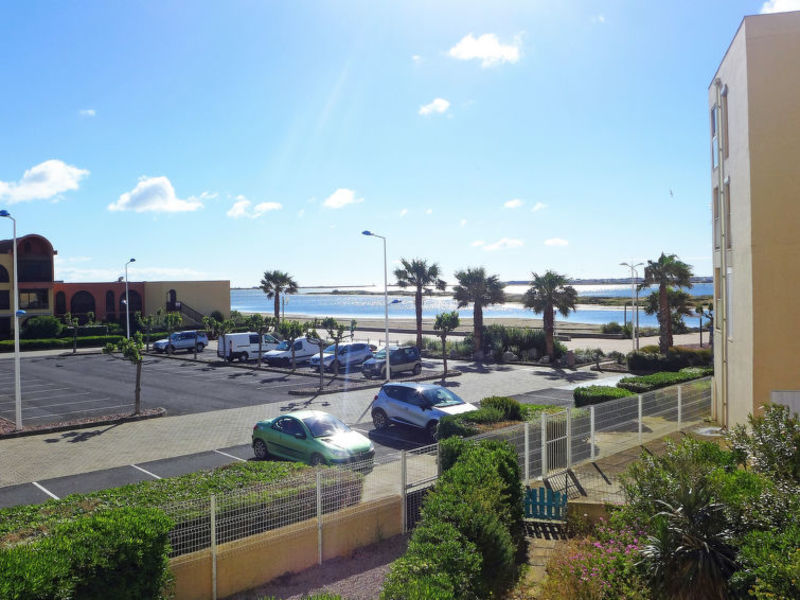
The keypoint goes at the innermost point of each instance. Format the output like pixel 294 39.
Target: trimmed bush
pixel 59 343
pixel 647 383
pixel 595 394
pixel 450 450
pixel 120 553
pixel 511 409
pixel 612 327
pixel 674 360
pixel 41 327
pixel 466 424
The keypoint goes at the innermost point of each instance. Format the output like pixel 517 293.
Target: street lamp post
pixel 385 301
pixel 127 302
pixel 635 298
pixel 17 314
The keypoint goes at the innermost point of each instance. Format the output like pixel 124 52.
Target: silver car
pixel 419 405
pixel 350 356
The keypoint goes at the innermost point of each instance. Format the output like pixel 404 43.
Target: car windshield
pixel 284 345
pixel 441 397
pixel 330 349
pixel 325 425
pixel 380 354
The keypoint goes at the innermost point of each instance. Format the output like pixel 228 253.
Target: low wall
pixel 258 559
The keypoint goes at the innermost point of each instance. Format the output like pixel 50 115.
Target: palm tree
pixel 446 323
pixel 679 307
pixel 665 272
pixel 550 293
pixel 482 290
pixel 421 276
pixel 275 283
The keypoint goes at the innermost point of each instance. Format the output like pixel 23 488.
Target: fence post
pixel 403 492
pixel 527 452
pixel 640 419
pixel 319 516
pixel 213 509
pixel 680 406
pixel 544 444
pixel 591 432
pixel 569 438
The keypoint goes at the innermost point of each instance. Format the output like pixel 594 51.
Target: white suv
pixel 419 405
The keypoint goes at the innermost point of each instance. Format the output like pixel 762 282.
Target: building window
pixel 35 269
pixel 725 125
pixel 33 299
pixel 727 202
pixel 715 211
pixel 729 303
pixel 717 299
pixel 3 274
pixel 110 303
pixel 714 137
pixel 5 300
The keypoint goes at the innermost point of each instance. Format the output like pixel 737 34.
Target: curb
pixel 160 412
pixel 365 386
pixel 235 365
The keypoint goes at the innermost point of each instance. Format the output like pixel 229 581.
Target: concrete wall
pixel 203 296
pixel 258 559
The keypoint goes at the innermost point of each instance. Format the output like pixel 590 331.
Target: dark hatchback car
pixel 401 360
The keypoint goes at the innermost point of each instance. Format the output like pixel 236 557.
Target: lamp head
pixel 363 232
pixel 4 213
pixel 132 260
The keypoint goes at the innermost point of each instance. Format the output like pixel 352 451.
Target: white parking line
pixel 146 472
pixel 45 490
pixel 229 455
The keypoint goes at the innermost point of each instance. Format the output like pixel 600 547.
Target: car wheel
pixel 170 349
pixel 200 347
pixel 243 357
pixel 316 459
pixel 417 369
pixel 335 366
pixel 379 419
pixel 432 429
pixel 260 450
pixel 286 363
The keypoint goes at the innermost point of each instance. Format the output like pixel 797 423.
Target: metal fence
pixel 547 448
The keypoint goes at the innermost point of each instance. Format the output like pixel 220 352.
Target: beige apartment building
pixel 754 103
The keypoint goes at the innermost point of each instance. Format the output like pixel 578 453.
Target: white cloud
pixel 486 48
pixel 70 273
pixel 42 182
pixel 515 203
pixel 87 112
pixel 155 194
pixel 556 242
pixel 241 208
pixel 417 58
pixel 503 244
pixel 477 243
pixel 538 206
pixel 301 212
pixel 599 19
pixel 439 106
pixel 341 198
pixel 462 222
pixel 776 6
pixel 429 211
pixel 404 212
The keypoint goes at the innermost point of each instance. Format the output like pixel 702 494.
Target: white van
pixel 282 355
pixel 244 346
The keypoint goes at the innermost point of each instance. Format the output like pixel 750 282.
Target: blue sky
pixel 217 140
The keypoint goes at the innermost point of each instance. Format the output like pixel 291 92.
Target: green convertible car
pixel 313 437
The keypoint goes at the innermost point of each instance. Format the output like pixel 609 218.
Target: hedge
pixel 647 383
pixel 595 394
pixel 470 536
pixel 674 360
pixel 60 343
pixel 119 553
pixel 298 482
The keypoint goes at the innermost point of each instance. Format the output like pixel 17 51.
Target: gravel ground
pixel 357 577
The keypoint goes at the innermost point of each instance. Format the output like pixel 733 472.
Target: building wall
pixel 203 296
pixel 773 52
pixel 763 127
pixel 99 290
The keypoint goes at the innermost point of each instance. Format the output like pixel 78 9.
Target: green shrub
pixel 511 409
pixel 612 327
pixel 450 450
pixel 59 343
pixel 770 564
pixel 647 383
pixel 465 424
pixel 595 394
pixel 41 327
pixel 674 360
pixel 120 553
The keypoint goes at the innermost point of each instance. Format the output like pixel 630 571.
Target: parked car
pixel 281 356
pixel 244 345
pixel 181 340
pixel 400 360
pixel 419 405
pixel 311 436
pixel 350 355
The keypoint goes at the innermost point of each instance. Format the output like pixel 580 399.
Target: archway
pixel 110 305
pixel 61 303
pixel 82 302
pixel 172 298
pixel 136 302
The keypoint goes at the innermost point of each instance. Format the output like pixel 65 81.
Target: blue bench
pixel 544 504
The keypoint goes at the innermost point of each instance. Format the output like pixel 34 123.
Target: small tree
pixel 336 333
pixel 131 349
pixel 291 331
pixel 706 312
pixel 145 323
pixel 90 318
pixel 71 321
pixel 172 320
pixel 315 338
pixel 446 323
